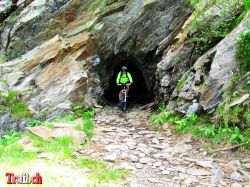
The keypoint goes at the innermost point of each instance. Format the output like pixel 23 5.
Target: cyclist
pixel 124 77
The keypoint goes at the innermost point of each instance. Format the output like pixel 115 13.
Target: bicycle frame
pixel 124 97
pixel 124 92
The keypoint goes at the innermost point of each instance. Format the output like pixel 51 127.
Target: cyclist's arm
pixel 130 78
pixel 118 78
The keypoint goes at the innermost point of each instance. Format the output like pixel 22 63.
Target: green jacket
pixel 124 78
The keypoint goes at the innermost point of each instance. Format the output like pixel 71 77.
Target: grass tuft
pixel 101 171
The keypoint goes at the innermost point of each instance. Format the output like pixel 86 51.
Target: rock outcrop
pixel 59 46
pixel 57 72
pixel 203 84
pixel 8 123
pixel 62 52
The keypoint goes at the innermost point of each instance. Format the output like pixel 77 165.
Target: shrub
pixel 202 127
pixel 243 50
pixel 214 19
pixel 11 102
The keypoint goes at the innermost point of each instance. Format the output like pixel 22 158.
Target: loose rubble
pixel 159 158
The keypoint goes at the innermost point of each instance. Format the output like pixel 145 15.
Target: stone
pixel 146 160
pixel 138 166
pixel 193 108
pixel 153 180
pixel 198 172
pixel 236 176
pixel 155 141
pixel 220 78
pixel 5 8
pixel 246 175
pixel 46 155
pixel 167 156
pixel 157 164
pixel 234 163
pixel 41 131
pixel 240 100
pixel 144 150
pixel 141 155
pixel 111 157
pixel 7 123
pixel 45 133
pixel 134 158
pixel 41 61
pixel 236 185
pixel 165 172
pixel 126 166
pixel 205 163
pixel 181 148
pixel 246 165
pixel 218 176
pixel 158 155
pixel 113 147
pixel 142 145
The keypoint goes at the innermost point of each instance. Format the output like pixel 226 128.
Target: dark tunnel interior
pixel 138 93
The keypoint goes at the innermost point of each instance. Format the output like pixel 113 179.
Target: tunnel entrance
pixel 138 93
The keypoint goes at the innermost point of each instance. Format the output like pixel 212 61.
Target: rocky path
pixel 161 159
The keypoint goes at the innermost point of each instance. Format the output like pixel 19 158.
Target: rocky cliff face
pixel 52 48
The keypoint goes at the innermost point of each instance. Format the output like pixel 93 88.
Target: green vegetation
pixel 62 147
pixel 12 53
pixel 235 115
pixel 88 127
pixel 182 81
pixel 9 137
pixel 15 155
pixel 214 19
pixel 243 50
pixel 48 124
pixel 100 170
pixel 80 111
pixel 67 117
pixel 87 114
pixel 88 124
pixel 11 102
pixel 34 123
pixel 95 5
pixel 3 59
pixel 224 128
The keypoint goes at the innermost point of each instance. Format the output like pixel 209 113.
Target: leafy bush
pixel 18 108
pixel 214 19
pixel 234 116
pixel 34 123
pixel 243 50
pixel 181 123
pixel 219 132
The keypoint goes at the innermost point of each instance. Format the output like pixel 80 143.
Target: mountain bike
pixel 123 102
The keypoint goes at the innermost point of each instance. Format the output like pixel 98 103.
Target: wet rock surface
pixel 159 158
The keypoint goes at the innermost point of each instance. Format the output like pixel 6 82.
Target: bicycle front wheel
pixel 124 106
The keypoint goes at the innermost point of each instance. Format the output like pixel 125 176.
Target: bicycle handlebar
pixel 124 84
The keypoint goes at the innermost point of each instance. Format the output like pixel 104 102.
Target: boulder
pixel 8 123
pixel 5 8
pixel 205 81
pixel 56 72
